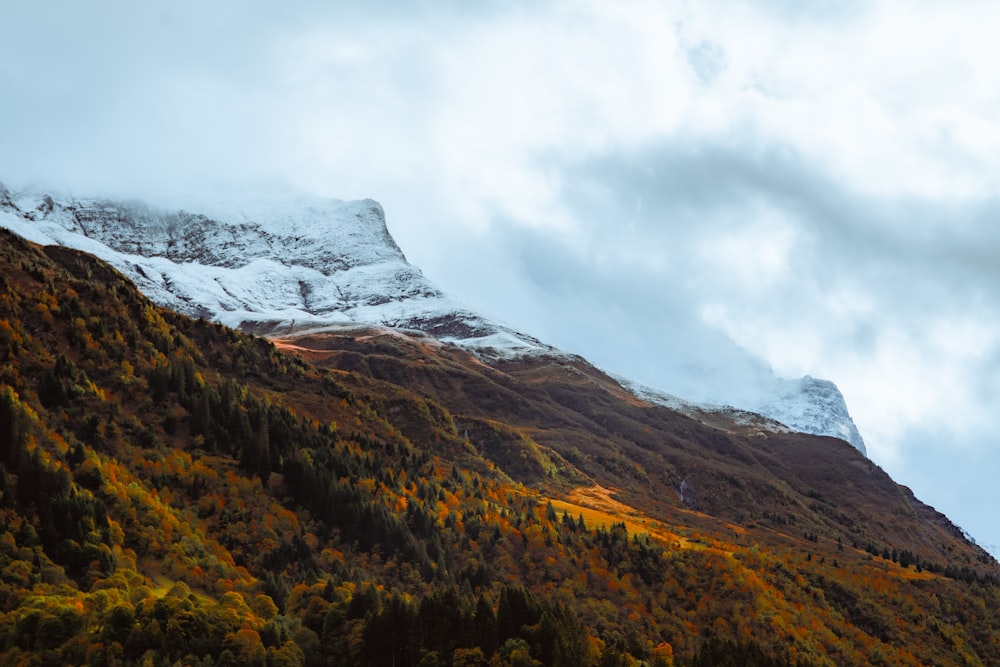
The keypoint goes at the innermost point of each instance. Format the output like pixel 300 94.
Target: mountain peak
pixel 268 264
pixel 813 405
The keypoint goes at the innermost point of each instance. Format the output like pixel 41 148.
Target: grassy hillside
pixel 171 490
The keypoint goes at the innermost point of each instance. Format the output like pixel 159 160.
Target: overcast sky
pixel 683 192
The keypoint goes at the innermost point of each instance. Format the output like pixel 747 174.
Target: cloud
pixel 799 267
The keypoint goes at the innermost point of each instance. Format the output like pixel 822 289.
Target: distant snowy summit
pixel 290 264
pixel 812 405
pixel 806 405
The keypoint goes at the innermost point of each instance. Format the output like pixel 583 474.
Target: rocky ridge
pixel 300 264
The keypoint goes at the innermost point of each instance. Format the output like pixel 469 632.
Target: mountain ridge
pixel 278 266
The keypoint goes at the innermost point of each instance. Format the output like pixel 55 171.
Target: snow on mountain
pixel 298 263
pixel 741 417
pixel 270 266
pixel 812 406
pixel 806 405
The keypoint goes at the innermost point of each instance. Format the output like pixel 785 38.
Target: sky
pixel 689 193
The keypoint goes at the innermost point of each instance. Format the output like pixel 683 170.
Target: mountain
pixel 172 490
pixel 269 266
pixel 278 266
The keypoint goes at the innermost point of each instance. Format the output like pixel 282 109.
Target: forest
pixel 176 492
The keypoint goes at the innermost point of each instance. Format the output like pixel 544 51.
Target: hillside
pixel 172 489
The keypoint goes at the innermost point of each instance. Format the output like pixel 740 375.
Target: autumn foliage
pixel 172 490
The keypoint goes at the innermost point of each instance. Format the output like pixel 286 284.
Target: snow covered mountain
pixel 280 266
pixel 268 266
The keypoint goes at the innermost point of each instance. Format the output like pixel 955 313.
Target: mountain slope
pixel 171 490
pixel 276 266
pixel 568 424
